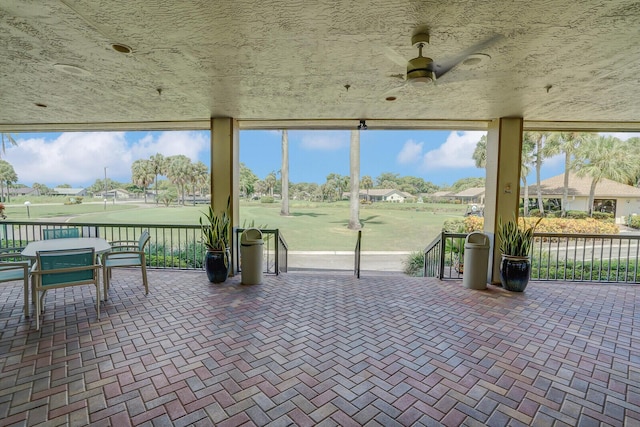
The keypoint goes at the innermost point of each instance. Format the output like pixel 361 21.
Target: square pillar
pixel 225 172
pixel 502 196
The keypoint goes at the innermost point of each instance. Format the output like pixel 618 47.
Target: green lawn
pixel 311 226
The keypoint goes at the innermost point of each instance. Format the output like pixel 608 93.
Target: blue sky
pixel 79 158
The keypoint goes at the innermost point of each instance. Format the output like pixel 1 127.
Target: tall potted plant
pixel 216 235
pixel 515 246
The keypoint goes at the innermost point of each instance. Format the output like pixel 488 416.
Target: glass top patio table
pixel 99 244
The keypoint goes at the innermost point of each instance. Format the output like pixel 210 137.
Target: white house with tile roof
pixel 610 196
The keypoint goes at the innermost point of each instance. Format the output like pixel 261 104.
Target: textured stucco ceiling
pixel 291 60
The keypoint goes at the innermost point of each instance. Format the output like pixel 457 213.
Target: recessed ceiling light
pixel 475 59
pixel 71 69
pixel 122 48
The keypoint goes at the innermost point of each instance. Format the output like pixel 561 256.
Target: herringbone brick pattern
pixel 306 350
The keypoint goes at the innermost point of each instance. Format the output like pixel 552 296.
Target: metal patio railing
pixel 171 246
pixel 607 258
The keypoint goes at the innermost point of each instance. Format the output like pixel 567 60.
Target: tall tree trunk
pixel 156 187
pixel 592 193
pixel 354 163
pixel 525 203
pixel 284 174
pixel 538 186
pixel 565 190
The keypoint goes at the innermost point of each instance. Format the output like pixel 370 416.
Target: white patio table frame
pixel 99 244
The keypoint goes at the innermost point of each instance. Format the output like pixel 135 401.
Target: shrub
pixel 456 225
pixel 577 214
pixel 602 216
pixel 634 221
pixel 267 199
pixel 414 264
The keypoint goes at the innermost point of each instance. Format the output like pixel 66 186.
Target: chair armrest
pixel 120 247
pixel 124 243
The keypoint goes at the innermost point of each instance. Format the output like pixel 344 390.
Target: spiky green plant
pixel 516 240
pixel 216 229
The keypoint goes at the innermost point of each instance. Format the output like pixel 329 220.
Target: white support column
pixel 504 148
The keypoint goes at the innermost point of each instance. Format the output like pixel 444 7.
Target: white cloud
pixel 79 158
pixel 324 141
pixel 456 152
pixel 410 153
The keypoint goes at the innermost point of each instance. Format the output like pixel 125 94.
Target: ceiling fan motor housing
pixel 418 70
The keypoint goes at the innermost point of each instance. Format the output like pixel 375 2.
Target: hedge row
pixel 555 225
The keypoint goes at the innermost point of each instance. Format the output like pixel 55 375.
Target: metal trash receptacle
pixel 476 261
pixel 251 247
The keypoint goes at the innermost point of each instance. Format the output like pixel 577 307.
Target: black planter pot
pixel 515 272
pixel 216 264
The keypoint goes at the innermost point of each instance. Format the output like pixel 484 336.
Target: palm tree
pixel 142 174
pixel 7 176
pixel 527 159
pixel 199 177
pixel 601 157
pixel 158 166
pixel 284 174
pixel 538 139
pixel 367 183
pixel 480 158
pixel 567 143
pixel 7 139
pixel 179 172
pixel 354 163
pixel 480 152
pixel 270 180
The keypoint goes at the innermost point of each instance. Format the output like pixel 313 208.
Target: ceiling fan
pixel 423 70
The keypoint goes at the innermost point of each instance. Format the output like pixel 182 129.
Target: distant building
pixel 20 191
pixel 610 196
pixel 64 191
pixel 385 195
pixel 471 195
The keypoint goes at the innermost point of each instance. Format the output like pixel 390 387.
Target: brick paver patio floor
pixel 317 349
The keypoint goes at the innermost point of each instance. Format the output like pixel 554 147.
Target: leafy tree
pixel 247 180
pixel 41 189
pixel 142 174
pixel 7 176
pixel 480 153
pixel 341 183
pixel 601 157
pixel 465 183
pixel 388 180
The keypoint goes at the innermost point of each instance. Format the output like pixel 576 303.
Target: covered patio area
pixel 320 349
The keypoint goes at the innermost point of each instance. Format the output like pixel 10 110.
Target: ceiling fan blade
pixel 442 67
pixel 395 56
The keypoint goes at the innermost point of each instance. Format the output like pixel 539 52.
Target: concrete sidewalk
pixel 345 260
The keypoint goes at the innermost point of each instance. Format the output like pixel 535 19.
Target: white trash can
pixel 476 261
pixel 251 247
